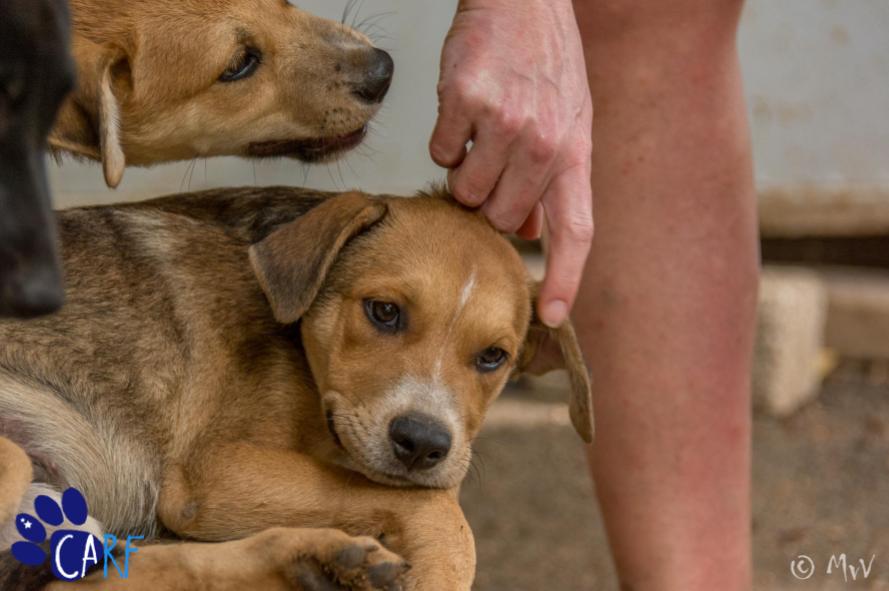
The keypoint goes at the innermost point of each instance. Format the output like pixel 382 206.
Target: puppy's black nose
pixel 419 441
pixel 377 78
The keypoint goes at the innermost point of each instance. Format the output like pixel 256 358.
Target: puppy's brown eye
pixel 243 66
pixel 490 359
pixel 386 316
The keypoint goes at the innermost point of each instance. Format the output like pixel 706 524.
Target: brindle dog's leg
pixel 278 559
pixel 237 490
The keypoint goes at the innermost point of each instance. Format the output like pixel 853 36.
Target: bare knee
pixel 652 22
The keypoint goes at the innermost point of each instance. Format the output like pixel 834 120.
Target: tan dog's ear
pixel 292 262
pixel 101 70
pixel 547 349
pixel 113 159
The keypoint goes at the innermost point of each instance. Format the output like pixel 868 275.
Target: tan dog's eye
pixel 490 359
pixel 243 66
pixel 386 316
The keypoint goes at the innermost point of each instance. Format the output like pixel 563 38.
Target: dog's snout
pixel 419 441
pixel 377 78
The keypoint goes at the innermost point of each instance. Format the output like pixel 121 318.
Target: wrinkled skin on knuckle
pixel 578 229
pixel 543 147
pixel 461 87
pixel 509 121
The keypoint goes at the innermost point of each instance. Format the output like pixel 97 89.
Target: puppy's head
pixel 414 313
pixel 174 80
pixel 36 73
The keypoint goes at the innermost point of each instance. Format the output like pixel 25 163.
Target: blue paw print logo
pixel 72 552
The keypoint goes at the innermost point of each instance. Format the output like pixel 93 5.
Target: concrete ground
pixel 820 479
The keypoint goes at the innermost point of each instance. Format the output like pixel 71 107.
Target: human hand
pixel 513 82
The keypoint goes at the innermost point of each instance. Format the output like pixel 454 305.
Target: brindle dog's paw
pixel 339 562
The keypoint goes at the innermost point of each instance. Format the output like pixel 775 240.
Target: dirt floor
pixel 820 480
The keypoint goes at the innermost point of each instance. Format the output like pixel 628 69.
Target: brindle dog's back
pixel 93 393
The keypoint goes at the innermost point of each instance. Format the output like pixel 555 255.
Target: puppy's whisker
pixel 347 10
pixel 373 20
pixel 192 166
pixel 359 6
pixel 330 175
pixel 348 163
pixel 183 183
pixel 367 151
pixel 378 41
pixel 377 34
pixel 339 170
pixel 475 470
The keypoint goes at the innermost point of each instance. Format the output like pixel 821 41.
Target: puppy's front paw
pixel 331 560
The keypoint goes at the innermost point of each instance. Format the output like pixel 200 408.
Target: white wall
pixel 817 79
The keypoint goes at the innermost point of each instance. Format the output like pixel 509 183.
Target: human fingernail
pixel 554 313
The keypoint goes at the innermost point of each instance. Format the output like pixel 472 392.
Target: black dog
pixel 36 73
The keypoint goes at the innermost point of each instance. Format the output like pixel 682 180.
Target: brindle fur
pixel 138 276
pixel 170 394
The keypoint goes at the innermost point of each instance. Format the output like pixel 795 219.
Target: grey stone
pixel 790 337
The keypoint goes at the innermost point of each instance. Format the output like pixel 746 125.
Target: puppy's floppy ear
pixel 113 159
pixel 292 262
pixel 89 122
pixel 547 349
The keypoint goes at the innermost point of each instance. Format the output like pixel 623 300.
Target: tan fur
pixel 15 477
pixel 171 352
pixel 148 87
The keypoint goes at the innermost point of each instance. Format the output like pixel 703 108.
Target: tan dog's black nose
pixel 419 441
pixel 377 78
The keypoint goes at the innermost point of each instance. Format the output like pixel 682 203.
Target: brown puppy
pixel 235 360
pixel 163 80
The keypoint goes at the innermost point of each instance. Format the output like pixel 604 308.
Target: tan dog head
pixel 166 80
pixel 414 314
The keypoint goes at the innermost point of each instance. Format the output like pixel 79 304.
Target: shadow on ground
pixel 821 480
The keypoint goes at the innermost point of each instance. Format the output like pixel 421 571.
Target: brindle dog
pixel 237 360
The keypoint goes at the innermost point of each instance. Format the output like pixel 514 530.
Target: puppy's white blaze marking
pixel 465 294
